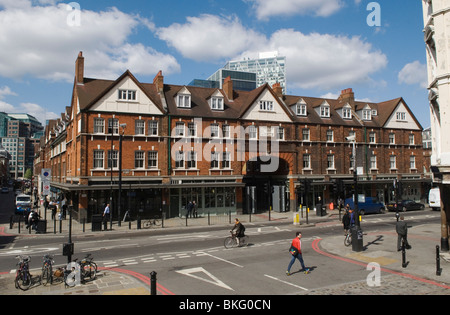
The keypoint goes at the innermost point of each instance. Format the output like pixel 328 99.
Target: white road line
pixel 285 282
pixel 224 260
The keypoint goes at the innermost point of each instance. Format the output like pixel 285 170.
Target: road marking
pixel 215 280
pixel 285 282
pixel 224 260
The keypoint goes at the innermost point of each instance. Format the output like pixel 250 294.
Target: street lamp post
pixel 357 234
pixel 123 126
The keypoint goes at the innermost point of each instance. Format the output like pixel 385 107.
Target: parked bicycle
pixel 155 221
pixel 23 280
pixel 47 270
pixel 234 241
pixel 348 238
pixel 78 272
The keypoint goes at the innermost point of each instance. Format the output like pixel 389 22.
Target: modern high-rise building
pixel 18 135
pixel 269 68
pixel 436 15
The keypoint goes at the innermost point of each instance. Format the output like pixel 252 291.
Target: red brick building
pixel 226 149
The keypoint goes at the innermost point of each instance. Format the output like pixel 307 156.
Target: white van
pixel 434 199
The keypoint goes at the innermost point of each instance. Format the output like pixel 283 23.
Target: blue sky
pixel 328 44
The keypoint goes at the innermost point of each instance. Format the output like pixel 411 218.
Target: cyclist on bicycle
pixel 240 229
pixel 347 219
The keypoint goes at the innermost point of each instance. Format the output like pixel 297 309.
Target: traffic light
pixel 335 187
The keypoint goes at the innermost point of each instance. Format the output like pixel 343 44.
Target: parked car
pixel 434 199
pixel 370 205
pixel 405 205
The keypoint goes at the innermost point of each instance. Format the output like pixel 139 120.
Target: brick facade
pixel 225 137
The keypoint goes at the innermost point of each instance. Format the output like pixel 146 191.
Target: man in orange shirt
pixel 296 252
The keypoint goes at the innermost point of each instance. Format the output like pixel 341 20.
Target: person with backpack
pixel 296 252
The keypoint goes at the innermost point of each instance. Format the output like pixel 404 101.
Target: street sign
pixel 46 173
pixel 46 189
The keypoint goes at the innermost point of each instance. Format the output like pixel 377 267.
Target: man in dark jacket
pixel 402 232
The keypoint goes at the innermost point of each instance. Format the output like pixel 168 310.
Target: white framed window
pixel 305 134
pixel 113 126
pixel 99 159
pixel 347 113
pixel 373 162
pixel 99 125
pixel 412 162
pixel 184 101
pixel 113 159
pixel 307 161
pixel 411 139
pixel 392 138
pixel 372 137
pixel 217 103
pixel 179 160
pixel 252 132
pixel 393 162
pixel 325 111
pixel 192 130
pixel 301 110
pixel 139 127
pixel 153 159
pixel 214 130
pixel 152 128
pixel 280 133
pixel 401 116
pixel 214 160
pixel 367 114
pixel 139 158
pixel 192 160
pixel 330 135
pixel 226 131
pixel 330 161
pixel 127 95
pixel 226 160
pixel 266 106
pixel 179 129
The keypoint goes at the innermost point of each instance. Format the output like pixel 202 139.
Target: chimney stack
pixel 159 82
pixel 278 89
pixel 347 96
pixel 228 88
pixel 79 69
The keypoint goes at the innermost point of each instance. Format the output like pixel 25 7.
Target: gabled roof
pixel 92 90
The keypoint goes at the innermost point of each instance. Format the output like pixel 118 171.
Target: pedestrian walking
pixel 402 232
pixel 296 252
pixel 194 209
pixel 189 208
pixel 106 216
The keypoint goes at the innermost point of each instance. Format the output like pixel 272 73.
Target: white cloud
pixel 319 61
pixel 414 73
pixel 5 91
pixel 265 9
pixel 209 37
pixel 39 112
pixel 42 44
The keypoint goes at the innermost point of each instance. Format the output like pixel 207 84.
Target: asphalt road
pixel 194 261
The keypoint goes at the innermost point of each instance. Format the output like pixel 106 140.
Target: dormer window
pixel 325 110
pixel 347 112
pixel 184 101
pixel 184 98
pixel 301 109
pixel 216 103
pixel 127 95
pixel 367 114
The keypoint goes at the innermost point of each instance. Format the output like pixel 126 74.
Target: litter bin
pixel 321 211
pixel 41 227
pixel 97 223
pixel 357 239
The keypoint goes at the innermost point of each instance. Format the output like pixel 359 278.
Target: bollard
pixel 438 262
pixel 153 283
pixel 404 264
